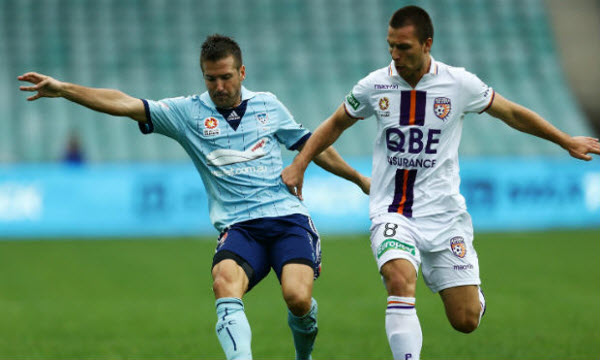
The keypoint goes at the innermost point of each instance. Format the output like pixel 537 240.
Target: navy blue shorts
pixel 261 244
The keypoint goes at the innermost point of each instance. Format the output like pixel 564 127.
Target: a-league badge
pixel 457 244
pixel 384 103
pixel 442 107
pixel 210 126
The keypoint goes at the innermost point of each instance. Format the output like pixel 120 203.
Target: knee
pixel 298 301
pixel 465 322
pixel 221 285
pixel 400 278
pixel 229 280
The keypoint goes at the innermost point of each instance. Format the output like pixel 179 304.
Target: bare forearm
pixel 325 135
pixel 331 161
pixel 530 122
pixel 109 101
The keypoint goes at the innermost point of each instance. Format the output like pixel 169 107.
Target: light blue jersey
pixel 240 160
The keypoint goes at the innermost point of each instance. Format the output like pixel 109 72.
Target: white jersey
pixel 415 157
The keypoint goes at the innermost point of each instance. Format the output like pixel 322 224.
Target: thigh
pixel 393 239
pixel 229 279
pixel 461 303
pixel 454 262
pixel 296 286
pixel 297 242
pixel 238 245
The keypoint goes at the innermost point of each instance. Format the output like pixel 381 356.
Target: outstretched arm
pixel 325 135
pixel 109 101
pixel 525 120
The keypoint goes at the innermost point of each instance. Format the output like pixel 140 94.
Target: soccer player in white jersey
pixel 418 216
pixel 233 136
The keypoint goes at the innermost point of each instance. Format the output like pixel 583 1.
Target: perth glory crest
pixel 442 107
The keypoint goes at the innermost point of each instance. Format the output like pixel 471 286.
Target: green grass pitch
pixel 152 299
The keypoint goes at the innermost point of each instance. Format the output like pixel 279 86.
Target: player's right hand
pixel 43 84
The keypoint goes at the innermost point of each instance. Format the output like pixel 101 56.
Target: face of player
pixel 224 81
pixel 410 56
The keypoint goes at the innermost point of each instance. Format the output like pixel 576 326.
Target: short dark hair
pixel 217 47
pixel 414 15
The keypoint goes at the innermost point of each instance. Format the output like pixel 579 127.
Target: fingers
pixel 299 192
pixel 296 191
pixel 34 97
pixel 31 77
pixel 28 88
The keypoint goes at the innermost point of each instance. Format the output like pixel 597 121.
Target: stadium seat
pixel 309 53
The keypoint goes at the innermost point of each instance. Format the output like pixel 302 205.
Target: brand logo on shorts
pixel 392 244
pixel 457 244
pixel 463 267
pixel 442 107
pixel 221 240
pixel 352 101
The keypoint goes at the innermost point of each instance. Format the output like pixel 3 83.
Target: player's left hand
pixel 365 184
pixel 581 146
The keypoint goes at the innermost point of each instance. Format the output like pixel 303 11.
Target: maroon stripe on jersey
pixel 420 107
pixel 403 192
pixel 412 107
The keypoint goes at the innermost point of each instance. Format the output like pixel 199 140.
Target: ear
pixel 428 44
pixel 243 72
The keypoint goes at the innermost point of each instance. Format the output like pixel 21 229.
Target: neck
pixel 418 75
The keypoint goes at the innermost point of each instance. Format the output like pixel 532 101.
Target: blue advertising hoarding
pixel 54 200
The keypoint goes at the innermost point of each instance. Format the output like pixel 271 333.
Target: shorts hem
pixel 403 256
pixel 439 288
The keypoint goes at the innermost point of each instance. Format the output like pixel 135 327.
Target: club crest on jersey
pixel 210 126
pixel 457 244
pixel 442 107
pixel 384 103
pixel 262 118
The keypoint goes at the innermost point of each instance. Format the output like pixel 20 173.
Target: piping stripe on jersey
pixel 490 103
pixel 403 192
pixel 412 107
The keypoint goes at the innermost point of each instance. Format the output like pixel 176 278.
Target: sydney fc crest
pixel 262 118
pixel 442 107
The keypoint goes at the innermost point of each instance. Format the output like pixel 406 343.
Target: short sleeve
pixel 357 103
pixel 477 95
pixel 289 132
pixel 165 116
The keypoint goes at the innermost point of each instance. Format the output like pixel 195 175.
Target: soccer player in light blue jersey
pixel 232 135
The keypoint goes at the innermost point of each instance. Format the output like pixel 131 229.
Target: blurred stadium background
pixel 542 54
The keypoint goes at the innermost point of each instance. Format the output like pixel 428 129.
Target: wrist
pixel 301 161
pixel 62 89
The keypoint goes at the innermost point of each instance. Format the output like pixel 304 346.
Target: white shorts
pixel 442 245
